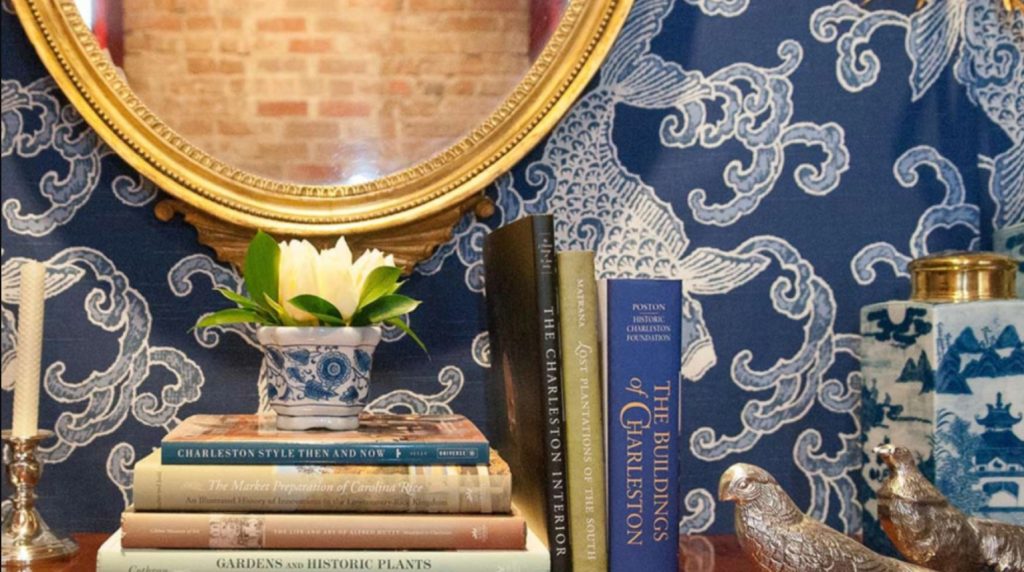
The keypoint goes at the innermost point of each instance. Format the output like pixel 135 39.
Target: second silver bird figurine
pixel 778 537
pixel 928 530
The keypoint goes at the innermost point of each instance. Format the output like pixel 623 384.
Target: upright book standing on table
pixel 582 396
pixel 642 322
pixel 525 392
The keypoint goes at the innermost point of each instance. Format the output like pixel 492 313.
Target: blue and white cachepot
pixel 946 380
pixel 317 378
pixel 1010 241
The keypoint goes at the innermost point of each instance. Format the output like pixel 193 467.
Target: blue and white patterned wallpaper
pixel 786 164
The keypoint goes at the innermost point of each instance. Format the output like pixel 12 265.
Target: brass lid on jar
pixel 963 277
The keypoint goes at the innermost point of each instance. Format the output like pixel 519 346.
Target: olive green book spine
pixel 584 425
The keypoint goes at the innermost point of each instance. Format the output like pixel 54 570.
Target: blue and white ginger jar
pixel 943 375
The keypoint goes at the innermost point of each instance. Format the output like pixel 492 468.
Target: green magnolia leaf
pixel 398 323
pixel 396 287
pixel 383 309
pixel 279 310
pixel 242 301
pixel 318 307
pixel 329 320
pixel 231 316
pixel 261 268
pixel 379 283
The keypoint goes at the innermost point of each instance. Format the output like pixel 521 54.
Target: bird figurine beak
pixel 723 488
pixel 730 476
pixel 885 452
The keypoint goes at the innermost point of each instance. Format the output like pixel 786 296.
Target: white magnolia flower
pixel 297 275
pixel 331 275
pixel 335 279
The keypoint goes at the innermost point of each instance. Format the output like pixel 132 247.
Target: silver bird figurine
pixel 928 530
pixel 778 537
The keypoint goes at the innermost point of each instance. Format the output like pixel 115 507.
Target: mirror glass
pixel 324 92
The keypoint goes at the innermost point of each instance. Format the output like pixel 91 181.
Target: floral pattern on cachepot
pixel 318 377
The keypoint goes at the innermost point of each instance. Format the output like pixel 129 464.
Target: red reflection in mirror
pixel 544 17
pixel 106 18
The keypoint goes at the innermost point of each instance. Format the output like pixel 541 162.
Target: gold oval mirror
pixel 382 120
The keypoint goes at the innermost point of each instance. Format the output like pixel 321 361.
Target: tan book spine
pixel 322 531
pixel 268 488
pixel 584 424
pixel 112 558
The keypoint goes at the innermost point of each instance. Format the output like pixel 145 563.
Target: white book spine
pixel 112 558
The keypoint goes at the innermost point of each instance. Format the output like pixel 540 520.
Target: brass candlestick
pixel 26 537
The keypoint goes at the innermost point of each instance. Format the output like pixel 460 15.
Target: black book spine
pixel 547 302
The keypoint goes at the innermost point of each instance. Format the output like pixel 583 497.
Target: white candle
pixel 30 349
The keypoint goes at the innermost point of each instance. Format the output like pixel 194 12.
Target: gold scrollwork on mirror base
pixel 410 243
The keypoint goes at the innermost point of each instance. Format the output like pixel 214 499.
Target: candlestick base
pixel 26 536
pixel 46 545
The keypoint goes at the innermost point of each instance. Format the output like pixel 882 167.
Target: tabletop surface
pixel 696 554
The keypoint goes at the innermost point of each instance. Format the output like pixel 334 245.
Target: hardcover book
pixel 298 531
pixel 643 321
pixel 112 557
pixel 582 394
pixel 479 489
pixel 525 392
pixel 380 440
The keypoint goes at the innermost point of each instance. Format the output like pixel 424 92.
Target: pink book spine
pixel 322 531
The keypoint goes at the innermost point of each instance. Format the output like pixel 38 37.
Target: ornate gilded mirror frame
pixel 408 213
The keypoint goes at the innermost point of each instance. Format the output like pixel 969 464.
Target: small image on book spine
pixel 643 348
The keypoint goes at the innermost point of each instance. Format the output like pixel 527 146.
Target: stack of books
pixel 402 493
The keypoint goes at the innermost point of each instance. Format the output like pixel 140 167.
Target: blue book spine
pixel 199 453
pixel 643 322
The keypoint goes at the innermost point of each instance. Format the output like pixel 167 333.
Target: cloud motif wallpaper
pixel 785 164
